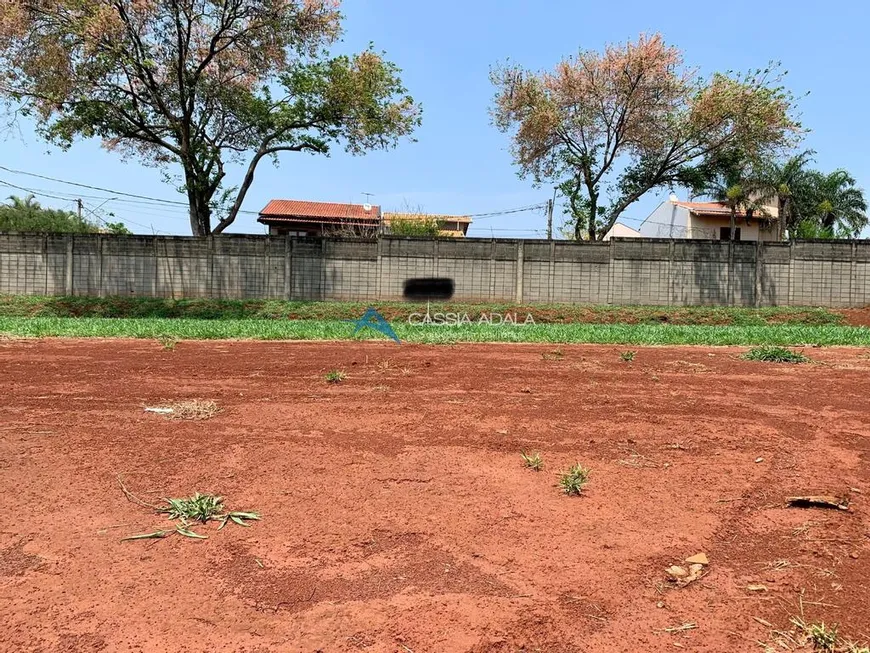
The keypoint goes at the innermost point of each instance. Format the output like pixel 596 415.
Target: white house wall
pixel 667 221
pixel 707 228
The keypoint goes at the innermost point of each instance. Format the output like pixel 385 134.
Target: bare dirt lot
pixel 397 515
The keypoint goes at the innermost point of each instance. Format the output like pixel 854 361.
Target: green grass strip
pixel 253 329
pixel 228 309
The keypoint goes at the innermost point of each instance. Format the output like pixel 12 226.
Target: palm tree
pixel 26 205
pixel 839 204
pixel 731 180
pixel 740 196
pixel 788 183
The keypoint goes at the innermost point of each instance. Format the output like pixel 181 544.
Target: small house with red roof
pixel 302 218
pixel 708 221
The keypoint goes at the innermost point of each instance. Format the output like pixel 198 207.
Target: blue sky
pixel 460 163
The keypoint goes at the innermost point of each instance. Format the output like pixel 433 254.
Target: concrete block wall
pixel 640 272
pixel 580 274
pixel 822 273
pixel 34 265
pixel 621 271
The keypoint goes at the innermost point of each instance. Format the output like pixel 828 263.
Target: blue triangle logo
pixel 373 320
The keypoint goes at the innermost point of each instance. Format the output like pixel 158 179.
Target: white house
pixel 619 230
pixel 708 221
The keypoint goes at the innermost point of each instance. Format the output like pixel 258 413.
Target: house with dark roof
pixel 301 218
pixel 708 221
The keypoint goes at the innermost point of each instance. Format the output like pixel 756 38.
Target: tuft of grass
pixel 199 507
pixel 188 511
pixel 574 480
pixel 628 356
pixel 774 355
pixel 532 460
pixel 823 638
pixel 193 409
pixel 167 342
pixel 335 376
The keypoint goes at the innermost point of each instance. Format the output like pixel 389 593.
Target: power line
pixel 180 204
pixel 144 198
pixel 33 192
pixel 125 219
pixel 493 214
pixel 177 205
pixel 40 193
pixel 73 197
pixel 163 214
pixel 530 230
pixel 103 190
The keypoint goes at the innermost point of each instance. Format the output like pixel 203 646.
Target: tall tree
pixel 637 109
pixel 199 84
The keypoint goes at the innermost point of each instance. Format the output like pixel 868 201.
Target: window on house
pixel 725 233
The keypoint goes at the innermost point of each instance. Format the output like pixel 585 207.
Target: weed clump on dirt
pixel 574 480
pixel 192 409
pixel 774 355
pixel 628 356
pixel 555 355
pixel 824 638
pixel 188 511
pixel 199 507
pixel 167 342
pixel 335 376
pixel 532 460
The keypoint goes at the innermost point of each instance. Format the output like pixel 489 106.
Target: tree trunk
pixel 199 205
pixel 733 222
pixel 240 196
pixel 785 218
pixel 200 218
pixel 593 212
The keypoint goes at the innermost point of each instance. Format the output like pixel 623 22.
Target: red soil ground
pixel 856 316
pixel 396 513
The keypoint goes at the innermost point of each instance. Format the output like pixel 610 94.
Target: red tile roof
pixel 705 207
pixel 715 209
pixel 298 210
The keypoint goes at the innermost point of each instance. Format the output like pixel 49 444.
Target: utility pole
pixel 550 204
pixel 79 206
pixel 549 219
